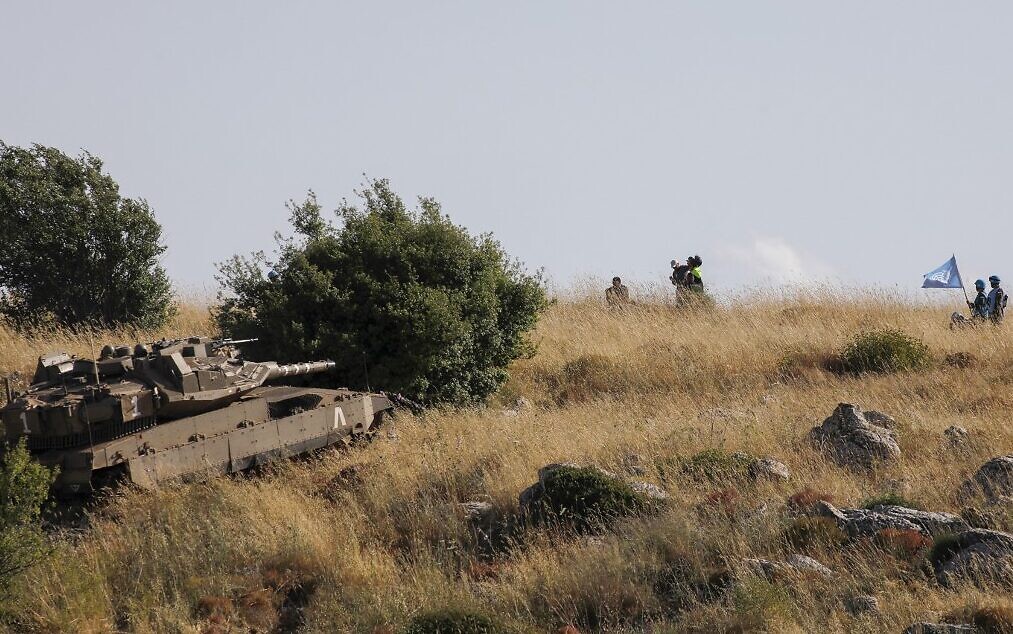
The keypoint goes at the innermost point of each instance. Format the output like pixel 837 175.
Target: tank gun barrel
pixel 299 369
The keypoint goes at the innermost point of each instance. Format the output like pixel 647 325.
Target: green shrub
pixel 943 548
pixel 891 499
pixel 806 533
pixel 402 300
pixel 75 251
pixel 884 351
pixel 24 488
pixel 585 498
pixel 715 465
pixel 454 621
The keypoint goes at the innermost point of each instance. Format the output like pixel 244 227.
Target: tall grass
pixel 373 536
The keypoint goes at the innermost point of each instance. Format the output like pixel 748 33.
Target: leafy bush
pixel 75 251
pixel 944 547
pixel 401 299
pixel 454 621
pixel 814 533
pixel 585 497
pixel 24 488
pixel 717 465
pixel 891 499
pixel 884 351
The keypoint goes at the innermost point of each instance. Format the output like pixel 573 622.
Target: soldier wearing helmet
pixel 979 307
pixel 996 301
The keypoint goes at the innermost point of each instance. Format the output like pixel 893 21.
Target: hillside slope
pixel 369 538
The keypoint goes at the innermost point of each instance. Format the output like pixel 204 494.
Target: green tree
pixel 24 488
pixel 74 250
pixel 402 299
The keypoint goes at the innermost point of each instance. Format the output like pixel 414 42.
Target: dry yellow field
pixel 364 539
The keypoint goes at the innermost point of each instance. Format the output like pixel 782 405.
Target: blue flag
pixel 946 276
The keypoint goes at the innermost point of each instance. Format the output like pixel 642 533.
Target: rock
pixel 852 440
pixel 939 628
pixel 994 479
pixel 996 514
pixel 868 522
pixel 795 564
pixel 769 469
pixel 880 419
pixel 956 434
pixel 808 564
pixel 475 509
pixel 650 490
pixel 980 556
pixel 529 495
pixel 862 604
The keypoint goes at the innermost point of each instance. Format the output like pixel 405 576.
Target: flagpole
pixel 961 278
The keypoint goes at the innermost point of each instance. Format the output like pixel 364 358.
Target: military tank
pixel 176 408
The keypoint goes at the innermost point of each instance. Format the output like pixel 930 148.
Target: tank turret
pixel 175 392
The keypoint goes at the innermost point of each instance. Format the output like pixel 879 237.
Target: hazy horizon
pixel 784 141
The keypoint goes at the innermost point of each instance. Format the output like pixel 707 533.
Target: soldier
pixel 979 309
pixel 680 273
pixel 617 295
pixel 694 278
pixel 996 300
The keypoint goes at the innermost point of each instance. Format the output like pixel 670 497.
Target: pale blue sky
pixel 855 140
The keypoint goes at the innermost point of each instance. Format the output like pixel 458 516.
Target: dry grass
pixel 369 538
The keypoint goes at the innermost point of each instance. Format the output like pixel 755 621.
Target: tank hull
pixel 266 424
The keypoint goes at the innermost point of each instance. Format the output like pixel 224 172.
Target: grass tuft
pixel 884 351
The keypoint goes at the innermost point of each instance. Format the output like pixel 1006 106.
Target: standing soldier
pixel 979 309
pixel 695 277
pixel 996 300
pixel 680 274
pixel 617 295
